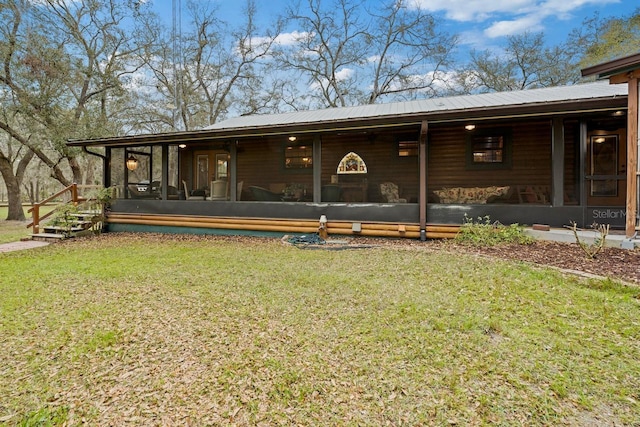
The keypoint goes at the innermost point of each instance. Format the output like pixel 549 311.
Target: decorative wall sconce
pixel 292 138
pixel 182 145
pixel 132 163
pixel 470 127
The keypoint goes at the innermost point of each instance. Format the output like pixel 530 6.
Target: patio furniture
pixel 134 193
pixel 172 193
pixel 193 195
pixel 331 193
pixel 263 195
pixel 474 195
pixel 239 190
pixel 219 190
pixel 389 191
pixel 537 194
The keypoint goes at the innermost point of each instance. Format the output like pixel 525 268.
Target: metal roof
pixel 534 102
pixel 427 107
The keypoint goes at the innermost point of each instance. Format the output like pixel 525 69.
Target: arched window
pixel 351 163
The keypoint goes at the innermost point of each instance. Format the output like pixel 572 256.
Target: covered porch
pixel 550 156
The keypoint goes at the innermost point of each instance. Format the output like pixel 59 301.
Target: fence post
pixel 36 218
pixel 74 193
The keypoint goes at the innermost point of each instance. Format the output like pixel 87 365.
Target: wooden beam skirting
pixel 401 230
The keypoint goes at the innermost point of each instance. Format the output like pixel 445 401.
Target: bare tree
pixel 351 54
pixel 406 42
pixel 64 65
pixel 330 47
pixel 217 68
pixel 525 63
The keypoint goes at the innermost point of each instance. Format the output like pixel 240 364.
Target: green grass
pixel 136 329
pixel 12 231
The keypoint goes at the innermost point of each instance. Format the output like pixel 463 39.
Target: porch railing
pixel 35 209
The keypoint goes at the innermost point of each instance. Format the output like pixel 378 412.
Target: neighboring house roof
pixel 546 101
pixel 612 68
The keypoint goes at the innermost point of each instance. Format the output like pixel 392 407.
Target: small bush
pixel 64 217
pixel 483 232
pixel 591 250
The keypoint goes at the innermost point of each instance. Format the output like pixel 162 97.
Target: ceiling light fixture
pixel 132 163
pixel 470 127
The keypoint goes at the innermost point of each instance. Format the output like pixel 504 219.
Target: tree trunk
pixel 13 182
pixel 16 213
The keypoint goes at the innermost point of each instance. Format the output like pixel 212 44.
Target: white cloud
pixel 474 10
pixel 341 75
pixel 284 39
pixel 508 17
pixel 344 74
pixel 515 26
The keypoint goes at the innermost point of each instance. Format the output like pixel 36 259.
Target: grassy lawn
pixel 147 330
pixel 12 231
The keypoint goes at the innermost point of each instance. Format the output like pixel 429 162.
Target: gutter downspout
pixel 422 150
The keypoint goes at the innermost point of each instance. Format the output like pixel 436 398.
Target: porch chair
pixel 239 190
pixel 277 187
pixel 536 194
pixel 330 193
pixel 219 190
pixel 263 195
pixel 193 195
pixel 389 191
pixel 134 193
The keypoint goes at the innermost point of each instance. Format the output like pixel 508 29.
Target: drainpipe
pixel 422 149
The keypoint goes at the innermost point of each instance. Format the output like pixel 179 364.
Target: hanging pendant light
pixel 132 163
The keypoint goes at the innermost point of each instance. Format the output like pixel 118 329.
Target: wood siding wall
pixel 380 153
pixel 530 162
pixel 260 161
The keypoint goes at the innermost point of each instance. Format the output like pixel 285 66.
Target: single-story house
pixel 406 169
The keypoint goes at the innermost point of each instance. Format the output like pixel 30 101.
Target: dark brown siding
pixel 380 153
pixel 530 162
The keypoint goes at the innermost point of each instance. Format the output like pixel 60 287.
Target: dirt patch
pixel 620 264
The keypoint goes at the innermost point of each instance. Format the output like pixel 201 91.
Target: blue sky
pixel 481 24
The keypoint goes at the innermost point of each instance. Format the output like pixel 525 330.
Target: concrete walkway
pixel 615 238
pixel 19 246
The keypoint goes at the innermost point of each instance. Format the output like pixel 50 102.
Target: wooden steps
pixel 80 223
pixel 47 237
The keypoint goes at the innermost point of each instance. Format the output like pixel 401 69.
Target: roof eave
pixel 611 68
pixel 396 120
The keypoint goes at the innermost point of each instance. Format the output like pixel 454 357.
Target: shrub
pixel 483 232
pixel 591 250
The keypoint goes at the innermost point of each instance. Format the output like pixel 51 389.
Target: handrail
pixel 36 218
